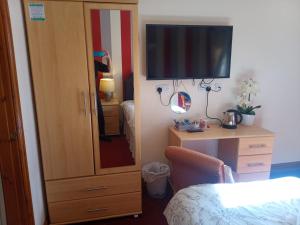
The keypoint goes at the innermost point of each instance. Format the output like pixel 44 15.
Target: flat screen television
pixel 188 51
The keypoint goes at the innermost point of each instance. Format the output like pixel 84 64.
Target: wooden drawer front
pixel 255 163
pixel 112 125
pixel 93 186
pixel 92 208
pixel 255 146
pixel 245 177
pixel 111 111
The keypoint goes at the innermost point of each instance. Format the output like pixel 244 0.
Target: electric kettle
pixel 231 118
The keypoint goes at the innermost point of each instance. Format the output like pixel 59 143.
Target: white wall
pixel 266 43
pixel 26 98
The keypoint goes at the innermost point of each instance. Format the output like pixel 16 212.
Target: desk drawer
pixel 95 186
pixel 255 146
pixel 255 163
pixel 94 208
pixel 111 110
pixel 246 177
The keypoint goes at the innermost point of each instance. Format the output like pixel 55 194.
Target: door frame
pixel 14 171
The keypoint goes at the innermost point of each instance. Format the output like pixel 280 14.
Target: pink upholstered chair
pixel 189 167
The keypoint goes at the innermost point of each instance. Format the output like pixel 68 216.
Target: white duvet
pixel 128 109
pixel 272 202
pixel 129 127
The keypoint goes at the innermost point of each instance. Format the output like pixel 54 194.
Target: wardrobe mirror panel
pixel 114 100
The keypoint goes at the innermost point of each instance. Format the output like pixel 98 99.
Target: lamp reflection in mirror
pixel 107 85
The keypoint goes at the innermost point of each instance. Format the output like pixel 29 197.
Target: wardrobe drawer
pixel 255 163
pixel 109 110
pixel 95 186
pixel 94 208
pixel 255 146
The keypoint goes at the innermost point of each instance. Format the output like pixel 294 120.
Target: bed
pixel 128 118
pixel 271 202
pixel 128 124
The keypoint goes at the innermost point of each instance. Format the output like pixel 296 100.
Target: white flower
pixel 248 88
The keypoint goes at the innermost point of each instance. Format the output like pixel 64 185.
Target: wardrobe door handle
pixel 95 104
pixel 84 103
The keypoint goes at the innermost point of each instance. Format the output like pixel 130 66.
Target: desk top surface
pixel 217 132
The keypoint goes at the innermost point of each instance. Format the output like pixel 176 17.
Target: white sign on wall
pixel 37 11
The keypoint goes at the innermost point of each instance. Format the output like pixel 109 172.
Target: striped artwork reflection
pixel 112 31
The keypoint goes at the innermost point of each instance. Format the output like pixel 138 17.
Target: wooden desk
pixel 247 150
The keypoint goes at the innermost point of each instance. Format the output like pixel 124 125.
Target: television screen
pixel 188 51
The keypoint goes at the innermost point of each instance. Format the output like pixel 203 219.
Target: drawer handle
pixel 97 210
pixel 97 188
pixel 258 146
pixel 255 164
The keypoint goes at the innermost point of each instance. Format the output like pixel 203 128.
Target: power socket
pixel 164 88
pixel 159 90
pixel 210 87
pixel 203 87
pixel 217 86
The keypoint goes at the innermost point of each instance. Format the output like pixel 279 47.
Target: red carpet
pixel 152 214
pixel 115 153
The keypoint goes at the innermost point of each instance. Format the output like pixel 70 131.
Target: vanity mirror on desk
pixel 247 150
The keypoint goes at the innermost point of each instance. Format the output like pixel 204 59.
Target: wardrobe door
pixel 60 77
pixel 112 46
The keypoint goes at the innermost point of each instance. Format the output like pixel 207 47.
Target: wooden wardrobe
pixel 61 45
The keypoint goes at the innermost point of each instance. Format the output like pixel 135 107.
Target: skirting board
pixel 285 169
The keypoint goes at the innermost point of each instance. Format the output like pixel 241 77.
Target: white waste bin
pixel 155 174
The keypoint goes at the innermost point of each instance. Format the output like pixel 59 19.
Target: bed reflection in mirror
pixel 113 64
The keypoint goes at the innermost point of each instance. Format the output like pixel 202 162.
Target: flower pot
pixel 248 120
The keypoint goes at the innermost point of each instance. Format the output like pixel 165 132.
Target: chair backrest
pixel 189 167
